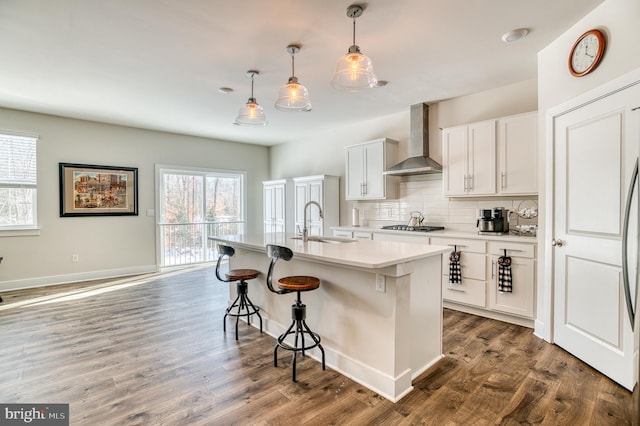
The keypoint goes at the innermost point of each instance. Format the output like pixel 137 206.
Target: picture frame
pixel 92 190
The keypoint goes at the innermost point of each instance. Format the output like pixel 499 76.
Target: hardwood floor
pixel 151 351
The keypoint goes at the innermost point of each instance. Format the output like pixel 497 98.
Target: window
pixel 193 205
pixel 18 182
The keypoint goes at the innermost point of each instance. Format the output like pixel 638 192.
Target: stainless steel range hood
pixel 418 162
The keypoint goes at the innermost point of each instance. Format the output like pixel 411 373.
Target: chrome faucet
pixel 305 230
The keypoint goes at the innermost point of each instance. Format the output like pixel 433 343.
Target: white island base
pixel 378 309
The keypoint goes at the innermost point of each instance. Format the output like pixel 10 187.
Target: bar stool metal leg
pixel 244 308
pixel 298 328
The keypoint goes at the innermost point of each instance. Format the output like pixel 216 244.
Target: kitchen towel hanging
pixel 505 283
pixel 455 272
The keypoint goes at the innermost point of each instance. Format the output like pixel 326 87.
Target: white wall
pixel 619 20
pixel 108 246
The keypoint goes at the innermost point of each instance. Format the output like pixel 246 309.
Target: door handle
pixel 557 243
pixel 625 236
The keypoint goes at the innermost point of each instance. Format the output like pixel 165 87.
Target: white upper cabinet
pixel 324 190
pixel 493 157
pixel 278 202
pixel 518 154
pixel 365 163
pixel 469 159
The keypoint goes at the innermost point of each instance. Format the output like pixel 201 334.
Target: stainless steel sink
pixel 329 240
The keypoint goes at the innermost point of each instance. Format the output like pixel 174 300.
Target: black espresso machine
pixel 493 221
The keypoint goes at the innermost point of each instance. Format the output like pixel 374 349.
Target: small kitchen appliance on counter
pixel 492 221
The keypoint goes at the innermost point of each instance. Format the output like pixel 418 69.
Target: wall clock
pixel 586 53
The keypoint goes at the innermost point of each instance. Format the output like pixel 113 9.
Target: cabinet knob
pixel 557 243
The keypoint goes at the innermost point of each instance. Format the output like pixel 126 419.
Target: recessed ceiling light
pixel 225 90
pixel 514 35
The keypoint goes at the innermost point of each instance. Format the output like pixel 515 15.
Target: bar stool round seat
pixel 299 283
pixel 298 328
pixel 242 305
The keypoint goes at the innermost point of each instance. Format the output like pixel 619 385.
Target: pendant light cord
pixel 354 31
pixel 293 72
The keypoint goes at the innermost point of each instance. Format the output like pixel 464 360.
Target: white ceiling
pixel 158 64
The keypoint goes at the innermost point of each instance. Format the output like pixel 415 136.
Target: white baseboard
pixel 391 388
pixel 76 277
pixel 525 322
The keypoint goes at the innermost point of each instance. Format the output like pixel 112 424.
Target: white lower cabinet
pixel 472 288
pixel 357 235
pixel 523 269
pixel 342 234
pixel 479 285
pixel 389 236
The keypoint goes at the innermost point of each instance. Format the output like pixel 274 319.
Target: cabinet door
pixel 482 158
pixel 354 172
pixel 373 169
pixel 521 300
pixel 300 199
pixel 517 154
pixel 454 158
pixel 268 208
pixel 279 209
pixel 314 193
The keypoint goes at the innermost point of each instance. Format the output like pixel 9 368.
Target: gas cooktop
pixel 425 228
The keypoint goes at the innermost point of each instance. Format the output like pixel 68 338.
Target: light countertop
pixel 360 253
pixel 443 234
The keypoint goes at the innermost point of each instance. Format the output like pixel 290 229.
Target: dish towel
pixel 455 273
pixel 505 283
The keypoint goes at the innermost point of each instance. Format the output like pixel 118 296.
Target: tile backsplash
pixel 424 194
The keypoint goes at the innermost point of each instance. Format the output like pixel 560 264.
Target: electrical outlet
pixel 74 258
pixel 380 283
pixel 390 212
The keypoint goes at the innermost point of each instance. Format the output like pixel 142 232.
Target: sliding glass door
pixel 193 204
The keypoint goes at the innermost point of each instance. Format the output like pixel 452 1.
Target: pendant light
pixel 293 96
pixel 354 71
pixel 251 114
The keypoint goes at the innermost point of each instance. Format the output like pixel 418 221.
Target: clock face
pixel 586 53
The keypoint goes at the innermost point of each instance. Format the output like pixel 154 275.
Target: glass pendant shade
pixel 293 97
pixel 251 114
pixel 354 72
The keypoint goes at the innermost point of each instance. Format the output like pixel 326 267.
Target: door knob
pixel 557 243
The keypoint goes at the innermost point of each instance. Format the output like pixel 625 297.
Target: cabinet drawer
pixel 404 238
pixel 472 265
pixel 359 235
pixel 472 246
pixel 343 234
pixel 513 249
pixel 470 292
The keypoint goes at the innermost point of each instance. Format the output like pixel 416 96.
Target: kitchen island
pixel 378 309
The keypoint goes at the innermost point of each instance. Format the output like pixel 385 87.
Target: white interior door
pixel 595 147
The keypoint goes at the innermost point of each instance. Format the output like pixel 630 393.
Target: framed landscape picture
pixel 89 190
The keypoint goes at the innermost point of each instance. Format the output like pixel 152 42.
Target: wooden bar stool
pixel 298 326
pixel 242 302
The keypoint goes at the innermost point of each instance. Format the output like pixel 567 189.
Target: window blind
pixel 18 160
